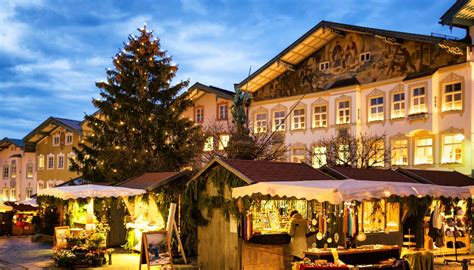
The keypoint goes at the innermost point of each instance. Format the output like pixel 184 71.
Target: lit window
pixel 323 66
pixel 29 193
pixel 13 194
pixel 56 140
pixel 320 116
pixel 40 185
pixel 223 141
pixel 223 111
pixel 343 112
pixel 398 105
pixel 260 122
pixel 298 155
pixel 29 170
pixel 6 171
pixel 400 152
pixel 452 97
pixel 418 100
pixel 379 216
pixel 50 161
pixel 319 156
pixel 278 120
pixel 343 154
pixel 6 194
pixel 199 115
pixel 209 144
pixel 298 119
pixel 377 157
pixel 60 161
pixel 13 170
pixel 40 162
pixel 376 109
pixel 69 138
pixel 424 151
pixel 364 57
pixel 452 148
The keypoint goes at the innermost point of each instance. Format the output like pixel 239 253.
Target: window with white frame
pixel 6 171
pixel 29 170
pixel 364 57
pixel 60 161
pixel 199 114
pixel 260 122
pixel 6 194
pixel 13 194
pixel 56 139
pixel 452 148
pixel 50 161
pixel 400 152
pixel 299 119
pixel 398 105
pixel 343 112
pixel 40 185
pixel 40 162
pixel 209 144
pixel 323 66
pixel 298 155
pixel 278 120
pixel 320 116
pixel 424 151
pixel 452 97
pixel 376 109
pixel 223 141
pixel 29 193
pixel 344 154
pixel 222 111
pixel 418 100
pixel 69 138
pixel 13 169
pixel 377 157
pixel 318 158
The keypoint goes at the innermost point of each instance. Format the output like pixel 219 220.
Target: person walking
pixel 297 229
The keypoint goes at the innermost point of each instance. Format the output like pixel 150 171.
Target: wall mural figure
pixel 343 54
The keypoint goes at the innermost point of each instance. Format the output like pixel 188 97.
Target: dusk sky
pixel 53 52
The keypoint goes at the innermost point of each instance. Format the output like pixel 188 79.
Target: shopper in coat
pixel 297 229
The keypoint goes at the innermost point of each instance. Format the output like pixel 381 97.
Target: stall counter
pixel 352 256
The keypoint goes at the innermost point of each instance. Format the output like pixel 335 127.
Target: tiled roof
pixel 222 93
pixel 5 142
pixel 74 124
pixel 367 174
pixel 443 178
pixel 150 181
pixel 264 171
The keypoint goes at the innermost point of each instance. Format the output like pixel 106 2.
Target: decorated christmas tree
pixel 139 125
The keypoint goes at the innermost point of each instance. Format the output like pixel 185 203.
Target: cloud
pixel 194 6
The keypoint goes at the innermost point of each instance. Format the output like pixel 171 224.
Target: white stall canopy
pixel 337 191
pixel 89 191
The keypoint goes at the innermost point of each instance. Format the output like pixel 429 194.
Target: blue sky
pixel 53 52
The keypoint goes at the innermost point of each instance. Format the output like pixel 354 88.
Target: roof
pixel 460 14
pixel 252 171
pixel 198 89
pixel 312 41
pixel 5 142
pixel 375 174
pixel 443 178
pixel 151 181
pixel 49 125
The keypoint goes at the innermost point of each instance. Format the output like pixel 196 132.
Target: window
pixel 318 156
pixel 343 154
pixel 56 139
pixel 400 152
pixel 40 185
pixel 223 141
pixel 452 97
pixel 29 170
pixel 260 122
pixel 379 216
pixel 298 119
pixel 320 116
pixel 452 148
pixel 424 151
pixel 418 101
pixel 199 115
pixel 60 161
pixel 6 194
pixel 69 138
pixel 222 114
pixel 278 120
pixel 343 112
pixel 323 66
pixel 364 57
pixel 398 105
pixel 40 162
pixel 29 193
pixel 376 109
pixel 13 194
pixel 298 155
pixel 209 144
pixel 6 171
pixel 51 185
pixel 51 161
pixel 13 170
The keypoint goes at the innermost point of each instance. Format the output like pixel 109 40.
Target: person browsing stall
pixel 297 229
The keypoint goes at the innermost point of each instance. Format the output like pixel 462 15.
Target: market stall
pixel 84 213
pixel 22 218
pixel 6 214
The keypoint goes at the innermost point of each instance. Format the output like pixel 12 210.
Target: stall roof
pixel 374 174
pixel 151 181
pixel 252 171
pixel 442 178
pixel 89 191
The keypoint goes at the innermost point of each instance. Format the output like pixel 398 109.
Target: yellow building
pixel 52 142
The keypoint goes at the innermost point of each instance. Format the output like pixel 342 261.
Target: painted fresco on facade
pixel 343 55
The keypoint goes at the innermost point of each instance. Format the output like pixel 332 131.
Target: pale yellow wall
pixel 209 102
pixel 21 182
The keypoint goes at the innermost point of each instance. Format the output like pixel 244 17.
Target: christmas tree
pixel 139 125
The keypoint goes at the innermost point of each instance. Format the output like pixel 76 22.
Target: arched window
pixel 13 169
